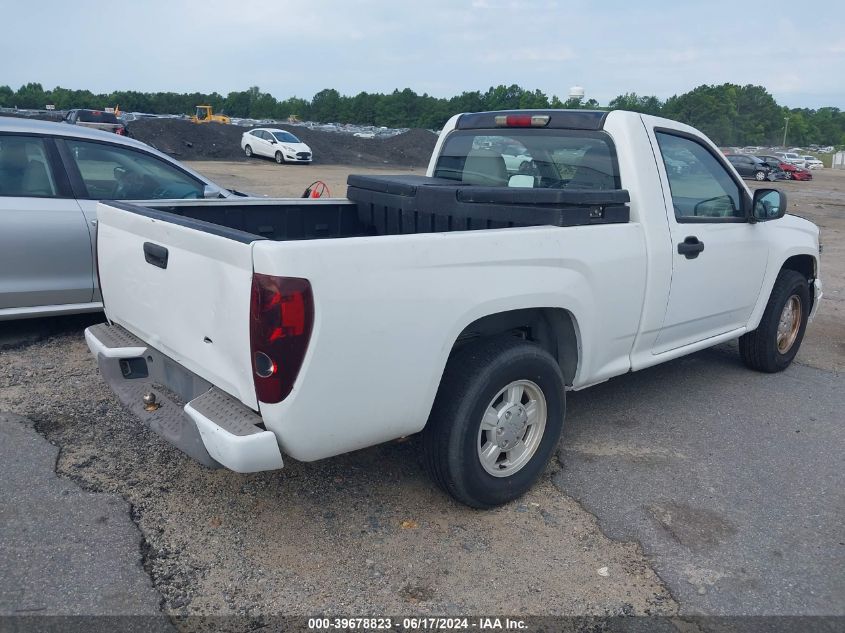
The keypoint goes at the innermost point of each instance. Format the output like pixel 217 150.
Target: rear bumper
pixel 202 421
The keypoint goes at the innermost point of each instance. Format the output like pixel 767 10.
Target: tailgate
pixel 182 286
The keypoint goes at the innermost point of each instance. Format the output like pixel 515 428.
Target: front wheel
pixel 760 175
pixel 773 345
pixel 496 421
pixel 788 175
pixel 280 158
pixel 248 151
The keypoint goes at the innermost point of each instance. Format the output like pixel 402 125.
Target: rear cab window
pixel 527 157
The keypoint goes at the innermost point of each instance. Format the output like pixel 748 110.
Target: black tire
pixel 473 377
pixel 759 349
pixel 280 158
pixel 248 151
pixel 760 175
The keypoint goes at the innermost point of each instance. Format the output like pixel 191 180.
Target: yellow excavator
pixel 206 115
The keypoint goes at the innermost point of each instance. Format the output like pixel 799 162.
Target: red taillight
pixel 522 120
pixel 280 321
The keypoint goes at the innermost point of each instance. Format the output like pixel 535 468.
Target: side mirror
pixel 769 204
pixel 210 191
pixel 521 180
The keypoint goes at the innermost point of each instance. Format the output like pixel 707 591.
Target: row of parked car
pixel 800 160
pixel 769 167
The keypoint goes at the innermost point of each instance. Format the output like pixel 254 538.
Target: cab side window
pixel 24 168
pixel 702 189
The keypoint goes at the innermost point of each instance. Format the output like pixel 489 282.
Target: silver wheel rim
pixel 511 428
pixel 279 158
pixel 761 175
pixel 789 324
pixel 248 150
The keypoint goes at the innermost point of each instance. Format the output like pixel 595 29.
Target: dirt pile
pixel 214 141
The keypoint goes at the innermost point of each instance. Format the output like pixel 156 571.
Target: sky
pixel 796 50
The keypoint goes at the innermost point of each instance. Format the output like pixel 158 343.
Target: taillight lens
pixel 280 321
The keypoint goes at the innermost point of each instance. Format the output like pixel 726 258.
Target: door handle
pixel 155 254
pixel 690 247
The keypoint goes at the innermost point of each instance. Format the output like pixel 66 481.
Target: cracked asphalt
pixel 695 487
pixel 738 504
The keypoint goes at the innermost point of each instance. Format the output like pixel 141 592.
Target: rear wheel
pixel 280 158
pixel 496 421
pixel 788 175
pixel 775 342
pixel 760 175
pixel 248 151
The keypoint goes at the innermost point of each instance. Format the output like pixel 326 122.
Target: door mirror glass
pixel 769 204
pixel 521 180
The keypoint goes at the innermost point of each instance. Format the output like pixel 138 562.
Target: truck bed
pixel 393 205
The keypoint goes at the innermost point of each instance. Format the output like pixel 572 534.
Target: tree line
pixel 730 114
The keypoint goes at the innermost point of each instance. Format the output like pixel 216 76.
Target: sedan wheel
pixel 788 175
pixel 760 175
pixel 279 158
pixel 248 151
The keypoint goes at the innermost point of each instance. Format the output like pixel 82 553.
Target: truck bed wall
pixel 407 205
pixel 299 220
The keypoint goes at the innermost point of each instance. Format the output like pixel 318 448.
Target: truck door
pixel 718 257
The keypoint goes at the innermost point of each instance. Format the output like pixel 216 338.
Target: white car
pixel 280 145
pixel 811 162
pixel 792 158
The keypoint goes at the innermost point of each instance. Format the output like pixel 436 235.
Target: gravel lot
pixel 368 533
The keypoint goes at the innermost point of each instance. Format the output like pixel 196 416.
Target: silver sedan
pixel 51 177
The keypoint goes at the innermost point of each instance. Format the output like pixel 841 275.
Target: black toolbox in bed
pixel 418 204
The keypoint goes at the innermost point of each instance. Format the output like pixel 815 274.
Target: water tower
pixel 576 93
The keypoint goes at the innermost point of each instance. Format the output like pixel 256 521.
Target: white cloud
pixel 527 54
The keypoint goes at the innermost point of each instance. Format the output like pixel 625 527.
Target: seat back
pixel 485 168
pixel 595 171
pixel 36 181
pixel 13 161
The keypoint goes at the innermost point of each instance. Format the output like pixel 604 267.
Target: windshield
pixel 286 137
pixel 551 159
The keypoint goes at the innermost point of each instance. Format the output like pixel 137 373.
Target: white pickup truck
pixel 461 305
